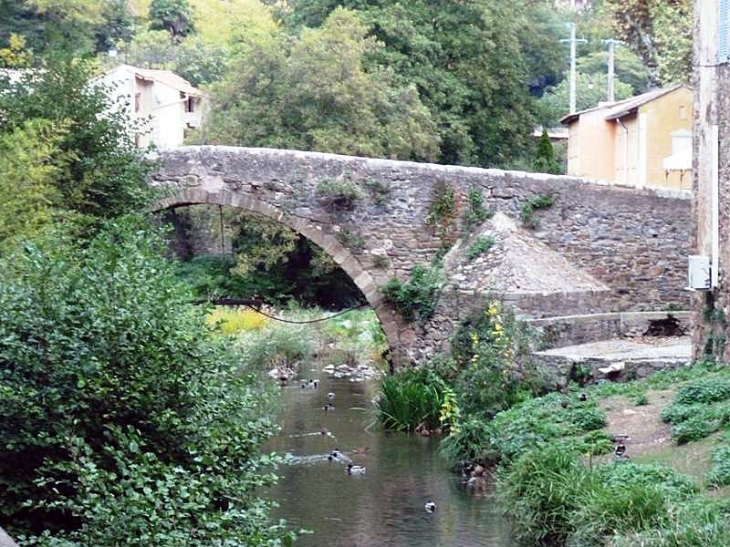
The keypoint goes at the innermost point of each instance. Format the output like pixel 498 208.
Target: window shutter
pixel 723 24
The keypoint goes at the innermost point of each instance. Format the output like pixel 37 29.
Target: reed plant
pixel 411 400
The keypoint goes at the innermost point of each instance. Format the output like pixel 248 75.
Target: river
pixel 384 507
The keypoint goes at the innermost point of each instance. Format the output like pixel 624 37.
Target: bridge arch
pixel 313 232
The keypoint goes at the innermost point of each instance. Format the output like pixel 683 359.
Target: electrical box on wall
pixel 698 273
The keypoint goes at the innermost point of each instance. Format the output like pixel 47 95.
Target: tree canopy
pixel 294 93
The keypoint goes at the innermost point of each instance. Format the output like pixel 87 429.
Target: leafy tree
pixel 105 175
pixel 660 32
pixel 233 22
pixel 69 24
pixel 590 90
pixel 545 161
pixel 16 55
pixel 29 162
pixel 174 16
pixel 313 93
pixel 124 421
pixel 628 68
pixel 469 61
pixel 118 25
pixel 194 59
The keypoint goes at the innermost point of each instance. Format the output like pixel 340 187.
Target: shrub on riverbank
pixel 699 409
pixel 553 497
pixel 284 345
pixel 124 421
pixel 492 369
pixel 411 400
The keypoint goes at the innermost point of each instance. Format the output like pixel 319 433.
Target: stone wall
pixel 633 241
pixel 556 332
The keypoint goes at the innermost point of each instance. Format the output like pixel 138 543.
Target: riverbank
pixel 563 484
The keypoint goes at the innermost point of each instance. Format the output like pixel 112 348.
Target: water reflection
pixel 385 507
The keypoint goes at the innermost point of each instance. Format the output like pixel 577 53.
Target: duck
pixel 328 406
pixel 583 397
pixel 330 396
pixel 620 450
pixel 430 507
pixel 339 456
pixel 313 384
pixel 355 469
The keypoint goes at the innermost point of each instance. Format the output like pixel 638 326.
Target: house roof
pixel 166 77
pixel 623 108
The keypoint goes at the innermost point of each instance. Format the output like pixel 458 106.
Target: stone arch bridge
pixel 598 248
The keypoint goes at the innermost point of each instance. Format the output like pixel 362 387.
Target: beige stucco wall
pixel 664 117
pixel 591 147
pixel 631 151
pixel 627 146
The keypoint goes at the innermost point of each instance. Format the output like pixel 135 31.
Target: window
pixel 683 112
pixel 190 105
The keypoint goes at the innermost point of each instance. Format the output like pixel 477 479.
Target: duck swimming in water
pixel 355 469
pixel 328 406
pixel 338 455
pixel 330 396
pixel 430 507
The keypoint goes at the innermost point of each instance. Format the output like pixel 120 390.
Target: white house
pixel 164 104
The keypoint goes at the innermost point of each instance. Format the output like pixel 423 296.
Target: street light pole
pixel 611 94
pixel 573 76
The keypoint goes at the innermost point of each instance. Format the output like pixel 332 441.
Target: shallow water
pixel 385 507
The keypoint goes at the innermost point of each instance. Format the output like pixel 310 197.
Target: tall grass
pixel 553 498
pixel 411 399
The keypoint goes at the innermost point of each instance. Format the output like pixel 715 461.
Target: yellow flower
pixel 493 310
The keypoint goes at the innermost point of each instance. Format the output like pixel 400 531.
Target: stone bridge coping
pixel 385 164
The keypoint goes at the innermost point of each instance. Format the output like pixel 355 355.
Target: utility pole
pixel 611 94
pixel 573 41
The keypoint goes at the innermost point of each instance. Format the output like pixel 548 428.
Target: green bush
pixel 443 211
pixel 475 212
pixel 544 491
pixel 554 499
pixel 699 409
pixel 701 522
pixel 694 429
pixel 673 485
pixel 528 208
pixel 469 443
pixel 480 246
pixel 338 193
pixel 542 420
pixel 704 390
pixel 492 353
pixel 719 474
pixel 279 344
pixel 416 298
pixel 124 420
pixel 411 399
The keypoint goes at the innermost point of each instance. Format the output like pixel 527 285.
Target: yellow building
pixel 642 141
